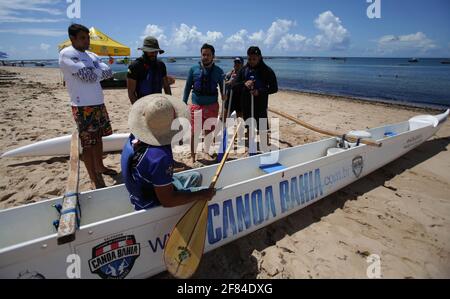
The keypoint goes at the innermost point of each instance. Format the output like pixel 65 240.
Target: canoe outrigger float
pixel 114 241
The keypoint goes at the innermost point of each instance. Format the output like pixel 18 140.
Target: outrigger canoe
pixel 60 146
pixel 114 241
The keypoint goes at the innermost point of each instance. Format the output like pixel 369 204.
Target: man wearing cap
pixel 147 159
pixel 230 78
pixel 258 79
pixel 147 75
pixel 204 79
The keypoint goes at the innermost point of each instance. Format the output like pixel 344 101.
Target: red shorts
pixel 93 124
pixel 207 112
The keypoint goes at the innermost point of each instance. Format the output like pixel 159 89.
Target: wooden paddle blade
pixel 184 249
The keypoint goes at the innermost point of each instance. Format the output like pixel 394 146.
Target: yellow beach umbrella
pixel 102 45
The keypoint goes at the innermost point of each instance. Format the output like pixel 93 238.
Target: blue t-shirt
pixel 150 166
pixel 215 74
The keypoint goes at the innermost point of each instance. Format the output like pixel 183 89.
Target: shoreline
pixel 413 106
pixel 375 101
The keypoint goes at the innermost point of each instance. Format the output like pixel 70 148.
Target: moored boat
pixel 114 241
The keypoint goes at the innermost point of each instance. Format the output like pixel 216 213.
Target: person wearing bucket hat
pixel 147 75
pixel 147 159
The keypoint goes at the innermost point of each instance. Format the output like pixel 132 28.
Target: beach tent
pixel 102 45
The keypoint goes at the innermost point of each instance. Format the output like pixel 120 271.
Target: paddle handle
pixel 224 159
pixel 322 131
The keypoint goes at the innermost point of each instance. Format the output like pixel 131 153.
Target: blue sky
pixel 32 29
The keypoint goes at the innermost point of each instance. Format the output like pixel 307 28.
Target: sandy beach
pixel 400 212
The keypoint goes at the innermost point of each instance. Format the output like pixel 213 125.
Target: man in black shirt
pixel 256 79
pixel 147 75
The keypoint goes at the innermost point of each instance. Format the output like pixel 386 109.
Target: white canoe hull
pixel 114 241
pixel 60 146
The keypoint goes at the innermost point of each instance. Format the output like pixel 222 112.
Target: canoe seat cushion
pixel 270 168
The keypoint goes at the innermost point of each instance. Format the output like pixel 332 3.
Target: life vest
pixel 136 193
pixel 204 84
pixel 151 84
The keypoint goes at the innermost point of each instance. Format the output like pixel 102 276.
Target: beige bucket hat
pixel 151 118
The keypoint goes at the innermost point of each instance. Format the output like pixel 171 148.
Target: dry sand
pixel 400 212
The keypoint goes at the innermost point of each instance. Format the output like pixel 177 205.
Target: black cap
pixel 254 51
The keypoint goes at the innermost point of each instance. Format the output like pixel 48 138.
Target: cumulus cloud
pixel 257 37
pixel 184 38
pixel 333 35
pixel 416 41
pixel 236 42
pixel 292 42
pixel 189 38
pixel 277 30
pixel 155 31
pixel 278 38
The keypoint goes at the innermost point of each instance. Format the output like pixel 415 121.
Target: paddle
pixel 185 246
pixel 252 134
pixel 69 220
pixel 223 145
pixel 322 131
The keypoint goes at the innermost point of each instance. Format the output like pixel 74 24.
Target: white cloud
pixel 184 38
pixel 292 42
pixel 333 35
pixel 155 31
pixel 279 38
pixel 236 42
pixel 257 37
pixel 416 42
pixel 12 11
pixel 44 47
pixel 213 36
pixel 190 39
pixel 35 31
pixel 11 19
pixel 277 30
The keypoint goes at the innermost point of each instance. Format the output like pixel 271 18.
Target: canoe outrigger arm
pixel 353 136
pixel 70 216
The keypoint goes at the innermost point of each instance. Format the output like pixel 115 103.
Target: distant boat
pixel 445 62
pixel 171 60
pixel 413 60
pixel 339 58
